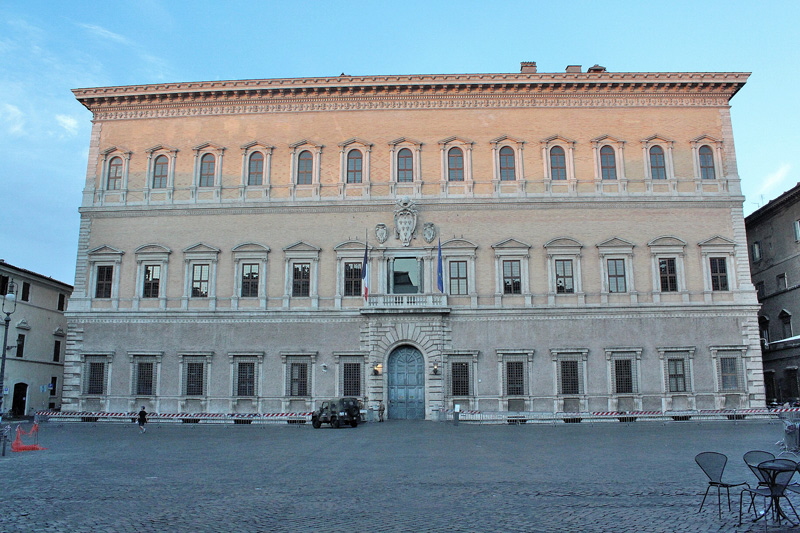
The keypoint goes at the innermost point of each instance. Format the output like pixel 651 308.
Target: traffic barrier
pixel 178 418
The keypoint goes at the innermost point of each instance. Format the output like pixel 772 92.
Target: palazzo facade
pixel 547 242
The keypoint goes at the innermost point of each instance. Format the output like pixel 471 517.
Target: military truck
pixel 337 412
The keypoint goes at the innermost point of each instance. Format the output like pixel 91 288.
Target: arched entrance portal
pixel 406 374
pixel 20 397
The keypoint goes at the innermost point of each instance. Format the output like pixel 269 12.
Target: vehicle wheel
pixel 335 423
pixel 354 423
pixel 316 424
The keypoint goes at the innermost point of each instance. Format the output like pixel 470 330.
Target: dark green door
pixel 406 384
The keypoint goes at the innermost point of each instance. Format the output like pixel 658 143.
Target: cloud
pixel 68 123
pixel 13 118
pixel 773 181
pixel 106 34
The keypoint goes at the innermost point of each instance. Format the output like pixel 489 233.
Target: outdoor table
pixel 771 469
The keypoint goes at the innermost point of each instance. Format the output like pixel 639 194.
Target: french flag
pixel 365 273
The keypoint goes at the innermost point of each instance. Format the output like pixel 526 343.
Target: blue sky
pixel 49 48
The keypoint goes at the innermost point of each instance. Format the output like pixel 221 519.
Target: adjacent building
pixel 773 236
pixel 37 340
pixel 550 242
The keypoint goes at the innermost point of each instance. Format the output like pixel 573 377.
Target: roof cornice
pixel 365 88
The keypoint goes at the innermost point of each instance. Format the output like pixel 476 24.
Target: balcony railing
pixel 406 301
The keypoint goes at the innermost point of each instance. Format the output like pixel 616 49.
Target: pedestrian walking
pixel 381 409
pixel 142 420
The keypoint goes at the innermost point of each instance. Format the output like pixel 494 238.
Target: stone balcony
pixel 406 303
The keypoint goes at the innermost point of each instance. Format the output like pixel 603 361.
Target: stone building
pixel 551 242
pixel 773 236
pixel 37 340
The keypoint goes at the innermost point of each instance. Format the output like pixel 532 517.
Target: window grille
pixel 515 378
pixel 623 376
pixel 676 374
pixel 570 377
pixel 145 371
pixel 351 379
pixel 95 377
pixel 245 378
pixel 729 373
pixel 297 379
pixel 460 379
pixel 195 378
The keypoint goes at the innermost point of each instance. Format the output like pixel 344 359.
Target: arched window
pixel 114 174
pixel 658 169
pixel 354 166
pixel 255 169
pixel 558 163
pixel 405 166
pixel 207 170
pixel 305 168
pixel 707 171
pixel 507 164
pixel 455 165
pixel 160 170
pixel 608 163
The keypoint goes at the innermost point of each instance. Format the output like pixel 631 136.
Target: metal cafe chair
pixel 752 459
pixel 777 473
pixel 713 465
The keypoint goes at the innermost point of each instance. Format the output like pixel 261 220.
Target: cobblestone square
pixel 396 476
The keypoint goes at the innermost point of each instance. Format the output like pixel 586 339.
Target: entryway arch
pixel 406 383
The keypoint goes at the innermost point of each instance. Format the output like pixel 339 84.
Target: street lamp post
pixel 9 306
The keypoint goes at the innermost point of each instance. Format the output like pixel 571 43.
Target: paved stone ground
pixel 396 476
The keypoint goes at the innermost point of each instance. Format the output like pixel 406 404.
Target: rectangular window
pixel 780 281
pixel 352 279
pixel 515 378
pixel 616 275
pixel 460 379
pixel 405 276
pixel 53 386
pixel 26 292
pixel 105 276
pixel 351 379
pixel 623 376
pixel 677 375
pixel 246 378
pixel 570 379
pixel 250 280
pixel 760 289
pixel 565 283
pixel 20 345
pixel 145 372
pixel 200 281
pixel 62 302
pixel 668 274
pixel 728 373
pixel 796 230
pixel 458 277
pixel 96 378
pixel 195 378
pixel 298 379
pixel 512 279
pixel 719 274
pixel 3 285
pixel 151 281
pixel 57 351
pixel 301 279
pixel 755 251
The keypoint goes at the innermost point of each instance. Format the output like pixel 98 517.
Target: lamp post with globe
pixel 9 306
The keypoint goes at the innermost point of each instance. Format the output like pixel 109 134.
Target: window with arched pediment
pixel 207 170
pixel 508 171
pixel 355 166
pixel 305 168
pixel 255 169
pixel 405 166
pixel 455 164
pixel 160 172
pixel 707 167
pixel 658 167
pixel 608 163
pixel 558 163
pixel 114 174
